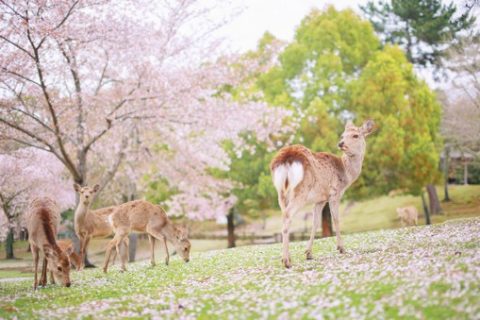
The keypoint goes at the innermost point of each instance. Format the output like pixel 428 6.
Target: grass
pixel 415 273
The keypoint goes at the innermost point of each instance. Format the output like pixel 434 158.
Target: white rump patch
pixel 295 174
pixel 292 172
pixel 110 220
pixel 279 176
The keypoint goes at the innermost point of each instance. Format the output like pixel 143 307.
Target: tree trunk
pixel 9 245
pixel 231 229
pixel 433 200
pixel 132 248
pixel 465 173
pixel 425 210
pixel 326 222
pixel 445 173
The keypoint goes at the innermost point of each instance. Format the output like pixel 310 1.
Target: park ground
pixel 374 214
pixel 426 272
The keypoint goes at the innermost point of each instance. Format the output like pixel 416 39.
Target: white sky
pixel 279 17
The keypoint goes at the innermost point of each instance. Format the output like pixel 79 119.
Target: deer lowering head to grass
pixel 303 177
pixel 43 219
pixel 408 216
pixel 90 223
pixel 144 217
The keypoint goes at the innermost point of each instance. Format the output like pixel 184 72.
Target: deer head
pixel 86 193
pixel 181 243
pixel 58 264
pixel 352 141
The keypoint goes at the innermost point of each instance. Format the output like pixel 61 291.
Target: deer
pixel 43 219
pixel 66 245
pixel 303 177
pixel 408 216
pixel 90 223
pixel 142 216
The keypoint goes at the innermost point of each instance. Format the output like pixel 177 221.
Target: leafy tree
pixel 404 153
pixel 425 29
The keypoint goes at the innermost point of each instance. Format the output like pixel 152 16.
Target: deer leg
pixel 35 263
pixel 124 254
pixel 287 219
pixel 334 204
pixel 108 252
pixel 152 249
pixel 167 255
pixel 43 276
pixel 317 214
pixel 52 278
pixel 83 244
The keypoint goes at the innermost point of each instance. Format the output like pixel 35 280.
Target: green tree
pixel 404 153
pixel 425 29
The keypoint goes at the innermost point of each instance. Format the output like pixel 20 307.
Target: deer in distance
pixel 144 217
pixel 303 177
pixel 43 219
pixel 90 223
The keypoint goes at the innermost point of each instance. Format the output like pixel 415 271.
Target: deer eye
pixel 355 136
pixel 59 268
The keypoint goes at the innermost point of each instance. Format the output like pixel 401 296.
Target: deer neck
pixel 353 166
pixel 81 214
pixel 168 231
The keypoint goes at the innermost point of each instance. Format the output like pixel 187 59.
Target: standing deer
pixel 303 177
pixel 43 219
pixel 90 223
pixel 145 217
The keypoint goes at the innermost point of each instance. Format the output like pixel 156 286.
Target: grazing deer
pixel 43 219
pixel 303 177
pixel 408 216
pixel 66 245
pixel 90 223
pixel 144 217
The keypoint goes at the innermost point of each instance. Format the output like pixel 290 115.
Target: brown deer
pixel 144 217
pixel 66 245
pixel 303 177
pixel 43 219
pixel 90 223
pixel 408 216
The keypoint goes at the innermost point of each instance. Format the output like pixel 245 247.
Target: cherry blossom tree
pixel 24 175
pixel 76 72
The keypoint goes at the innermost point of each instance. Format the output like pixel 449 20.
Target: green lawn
pixel 415 273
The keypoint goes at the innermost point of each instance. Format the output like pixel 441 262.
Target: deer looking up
pixel 303 177
pixel 43 219
pixel 90 223
pixel 144 217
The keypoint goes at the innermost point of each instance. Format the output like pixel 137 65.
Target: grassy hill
pixel 423 272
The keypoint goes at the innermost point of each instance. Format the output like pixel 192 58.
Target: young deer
pixel 66 245
pixel 303 177
pixel 43 219
pixel 90 223
pixel 145 217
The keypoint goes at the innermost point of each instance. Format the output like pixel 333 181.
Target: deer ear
pixel 368 127
pixel 47 249
pixel 349 124
pixel 96 188
pixel 77 187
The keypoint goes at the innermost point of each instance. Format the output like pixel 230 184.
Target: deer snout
pixel 341 144
pixel 68 284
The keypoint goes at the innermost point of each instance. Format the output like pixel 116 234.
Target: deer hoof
pixel 286 263
pixel 105 270
pixel 309 255
pixel 341 249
